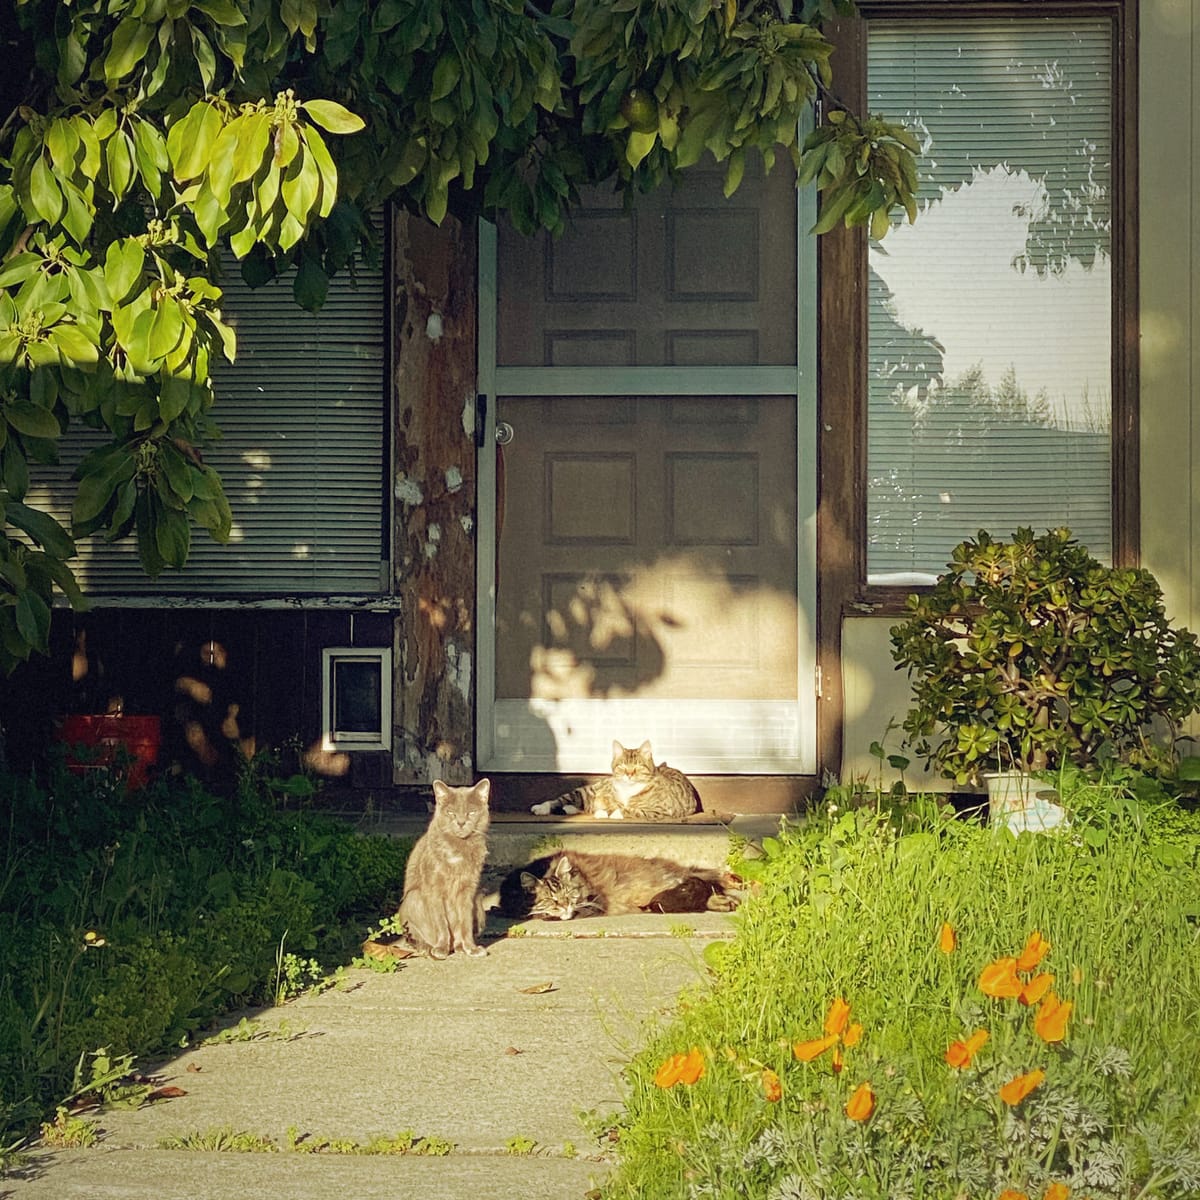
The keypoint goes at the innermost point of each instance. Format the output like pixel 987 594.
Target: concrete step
pixel 514 841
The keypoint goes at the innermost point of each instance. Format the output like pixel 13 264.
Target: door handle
pixel 504 433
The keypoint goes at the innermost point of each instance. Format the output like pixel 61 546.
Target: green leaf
pixel 33 620
pixel 74 345
pixel 146 521
pixel 42 527
pixel 253 142
pixel 151 155
pixel 14 470
pixel 19 268
pixel 173 537
pixel 210 214
pixel 734 172
pixel 62 141
pixel 31 419
pixel 174 393
pixel 177 471
pixel 310 285
pixel 44 193
pixel 118 158
pixel 130 40
pixel 99 476
pixel 319 153
pixel 122 513
pixel 77 220
pixel 123 268
pixel 223 12
pixel 166 329
pixel 301 186
pixel 638 146
pixel 206 60
pixel 334 117
pixel 833 207
pixel 445 77
pixel 190 140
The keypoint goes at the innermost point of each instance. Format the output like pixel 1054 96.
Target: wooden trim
pixel 841 386
pixel 842 518
pixel 1126 336
pixel 245 603
pixel 514 792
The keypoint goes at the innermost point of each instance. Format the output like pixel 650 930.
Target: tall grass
pixel 851 906
pixel 129 921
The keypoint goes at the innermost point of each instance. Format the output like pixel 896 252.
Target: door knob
pixel 504 433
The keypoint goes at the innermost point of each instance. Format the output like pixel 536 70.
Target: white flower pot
pixel 1021 803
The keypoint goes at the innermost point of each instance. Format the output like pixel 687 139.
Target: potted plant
pixel 1031 654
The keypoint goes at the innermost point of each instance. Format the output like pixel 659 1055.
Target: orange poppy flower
pixel 1057 1191
pixel 814 1048
pixel 999 979
pixel 1015 1090
pixel 960 1054
pixel 862 1104
pixel 1035 950
pixel 771 1085
pixel 852 1036
pixel 1012 1194
pixel 1036 988
pixel 1050 1024
pixel 947 939
pixel 839 1014
pixel 681 1068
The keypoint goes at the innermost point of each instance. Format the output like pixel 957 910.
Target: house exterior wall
pixel 1169 405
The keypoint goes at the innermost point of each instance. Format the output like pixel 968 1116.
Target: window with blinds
pixel 990 359
pixel 302 416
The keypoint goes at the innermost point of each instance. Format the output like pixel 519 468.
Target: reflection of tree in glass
pixel 1048 114
pixel 967 408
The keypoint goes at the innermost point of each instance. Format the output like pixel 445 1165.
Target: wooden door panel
pixel 683 278
pixel 658 563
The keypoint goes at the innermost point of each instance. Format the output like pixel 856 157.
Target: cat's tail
pixel 568 804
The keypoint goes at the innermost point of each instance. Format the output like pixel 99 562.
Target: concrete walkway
pixel 497 1056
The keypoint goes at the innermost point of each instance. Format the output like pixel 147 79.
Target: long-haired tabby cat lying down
pixel 638 789
pixel 572 883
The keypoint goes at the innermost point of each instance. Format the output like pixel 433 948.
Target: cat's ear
pixel 440 790
pixel 483 790
pixel 529 882
pixel 618 750
pixel 562 866
pixel 645 752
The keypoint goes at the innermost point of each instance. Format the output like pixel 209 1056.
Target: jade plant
pixel 1031 654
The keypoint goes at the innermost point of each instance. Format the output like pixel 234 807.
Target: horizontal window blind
pixel 301 454
pixel 989 366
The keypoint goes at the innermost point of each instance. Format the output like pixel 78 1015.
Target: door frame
pixel 800 380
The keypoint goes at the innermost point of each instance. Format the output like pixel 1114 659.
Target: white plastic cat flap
pixel 647 486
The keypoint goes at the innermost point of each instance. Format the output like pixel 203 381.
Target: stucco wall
pixel 1169 218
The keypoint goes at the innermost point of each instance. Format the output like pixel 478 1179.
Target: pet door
pixel 356 698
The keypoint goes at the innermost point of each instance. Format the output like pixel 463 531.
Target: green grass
pixel 851 906
pixel 130 922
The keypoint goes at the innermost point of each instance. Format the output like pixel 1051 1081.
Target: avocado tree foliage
pixel 151 143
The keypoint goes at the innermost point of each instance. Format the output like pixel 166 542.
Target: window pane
pixel 301 414
pixel 990 317
pixel 357 696
pixel 682 277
